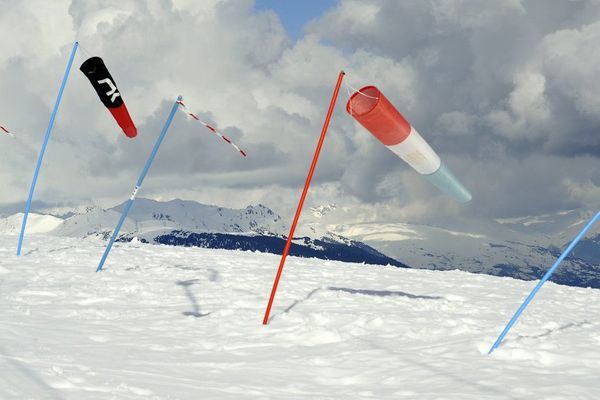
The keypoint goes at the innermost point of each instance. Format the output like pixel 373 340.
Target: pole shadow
pixel 366 292
pixel 186 285
pixel 549 332
pixel 384 293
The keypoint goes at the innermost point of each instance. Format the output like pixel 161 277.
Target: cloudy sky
pixel 506 91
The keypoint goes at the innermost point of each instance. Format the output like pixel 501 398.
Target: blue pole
pixel 43 149
pixel 138 185
pixel 547 276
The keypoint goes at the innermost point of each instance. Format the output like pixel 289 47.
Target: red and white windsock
pixel 375 112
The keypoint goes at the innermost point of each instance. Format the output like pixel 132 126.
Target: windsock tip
pixel 130 131
pixel 445 180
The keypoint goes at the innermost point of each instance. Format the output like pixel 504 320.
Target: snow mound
pixel 36 223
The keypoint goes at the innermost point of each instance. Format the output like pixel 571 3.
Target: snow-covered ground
pixel 185 323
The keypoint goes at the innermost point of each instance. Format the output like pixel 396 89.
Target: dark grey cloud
pixel 505 91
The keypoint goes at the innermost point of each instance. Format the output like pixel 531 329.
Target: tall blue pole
pixel 546 276
pixel 138 185
pixel 43 150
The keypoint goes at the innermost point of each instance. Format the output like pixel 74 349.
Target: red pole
pixel 303 196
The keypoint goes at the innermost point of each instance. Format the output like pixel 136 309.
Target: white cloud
pixel 569 59
pixel 492 85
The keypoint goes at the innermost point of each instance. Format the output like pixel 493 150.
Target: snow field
pixel 183 323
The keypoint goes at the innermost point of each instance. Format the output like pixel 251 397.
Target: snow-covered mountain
pixel 36 223
pixel 149 217
pixel 188 223
pixel 323 210
pixel 522 248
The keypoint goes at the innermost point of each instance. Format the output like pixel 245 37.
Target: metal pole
pixel 44 145
pixel 546 276
pixel 303 196
pixel 138 185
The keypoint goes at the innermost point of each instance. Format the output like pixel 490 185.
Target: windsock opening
pixel 375 112
pixel 363 101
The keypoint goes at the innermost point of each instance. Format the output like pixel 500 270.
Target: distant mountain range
pixel 522 248
pixel 188 223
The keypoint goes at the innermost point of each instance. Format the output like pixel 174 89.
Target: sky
pixel 505 91
pixel 294 15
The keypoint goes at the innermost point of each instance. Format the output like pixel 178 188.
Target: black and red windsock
pixel 104 84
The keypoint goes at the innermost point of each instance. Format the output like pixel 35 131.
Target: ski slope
pixel 185 323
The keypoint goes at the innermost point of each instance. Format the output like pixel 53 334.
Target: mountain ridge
pixel 192 224
pixel 522 248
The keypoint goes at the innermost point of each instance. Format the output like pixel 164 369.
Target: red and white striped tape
pixel 186 110
pixel 6 131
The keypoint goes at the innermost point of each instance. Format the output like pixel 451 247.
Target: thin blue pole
pixel 138 185
pixel 43 149
pixel 547 276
